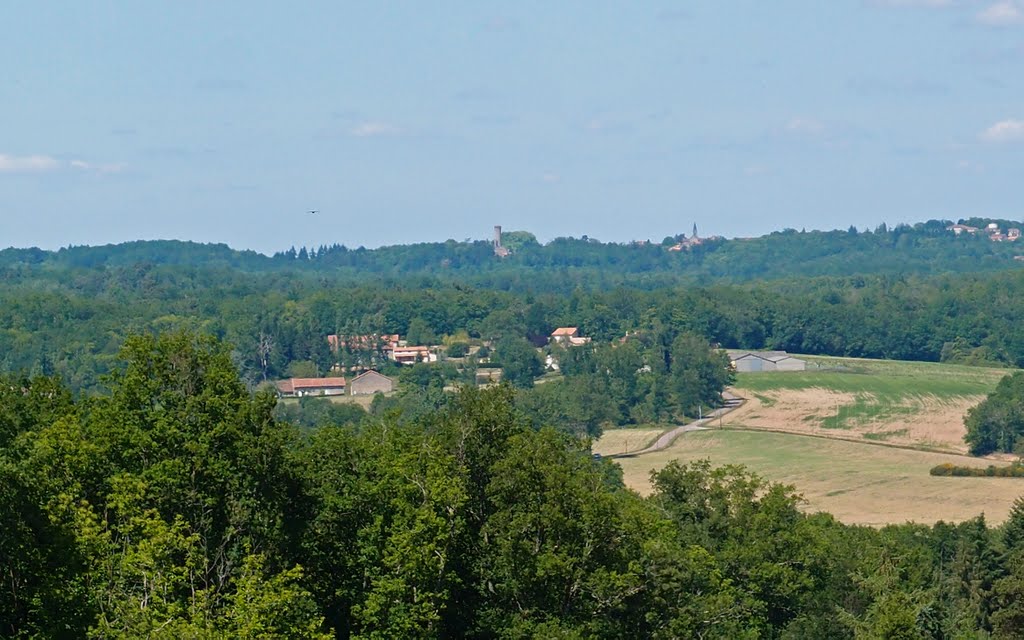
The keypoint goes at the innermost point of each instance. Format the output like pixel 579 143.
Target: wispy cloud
pixel 970 166
pixel 374 129
pixel 32 163
pixel 82 165
pixel 1005 13
pixel 805 126
pixel 1005 131
pixel 38 163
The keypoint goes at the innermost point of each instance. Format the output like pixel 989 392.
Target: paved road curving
pixel 667 438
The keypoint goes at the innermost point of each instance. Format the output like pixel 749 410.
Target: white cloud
pixel 1002 14
pixel 37 163
pixel 98 168
pixel 12 164
pixel 805 126
pixel 1005 131
pixel 374 129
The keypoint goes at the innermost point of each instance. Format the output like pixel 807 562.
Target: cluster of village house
pixel 691 242
pixel 366 383
pixel 394 349
pixel 995 234
pixel 369 381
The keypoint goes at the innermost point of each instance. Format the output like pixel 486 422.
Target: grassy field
pixel 887 380
pixel 857 482
pixel 907 403
pixel 623 440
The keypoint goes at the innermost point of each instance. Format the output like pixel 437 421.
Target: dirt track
pixel 732 402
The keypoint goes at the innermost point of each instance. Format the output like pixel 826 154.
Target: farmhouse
pixel 412 355
pixel 371 382
pixel 300 387
pixel 957 229
pixel 568 335
pixel 753 361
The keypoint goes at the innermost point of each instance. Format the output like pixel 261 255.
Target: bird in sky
pixel 314 211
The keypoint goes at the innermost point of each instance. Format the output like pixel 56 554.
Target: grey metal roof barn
pixel 754 361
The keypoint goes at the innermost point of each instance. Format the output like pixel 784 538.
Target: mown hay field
pixel 904 403
pixel 858 482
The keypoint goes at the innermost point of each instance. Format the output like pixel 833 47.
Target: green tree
pixel 519 361
pixel 420 333
pixel 997 423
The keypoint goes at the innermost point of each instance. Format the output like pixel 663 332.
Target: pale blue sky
pixel 406 122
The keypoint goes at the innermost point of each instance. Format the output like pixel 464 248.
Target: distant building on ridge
pixel 499 250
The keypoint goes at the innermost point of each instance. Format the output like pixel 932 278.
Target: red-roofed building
pixel 568 335
pixel 412 355
pixel 300 387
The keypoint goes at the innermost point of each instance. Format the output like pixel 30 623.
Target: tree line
pixel 72 323
pixel 922 248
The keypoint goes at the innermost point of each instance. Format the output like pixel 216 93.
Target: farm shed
pixel 758 361
pixel 371 382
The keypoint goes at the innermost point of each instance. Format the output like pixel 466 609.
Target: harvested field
pixel 922 421
pixel 903 403
pixel 859 483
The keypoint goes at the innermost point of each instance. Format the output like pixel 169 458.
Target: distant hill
pixel 923 248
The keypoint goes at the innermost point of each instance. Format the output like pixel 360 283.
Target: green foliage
pixel 301 369
pixel 1015 470
pixel 309 412
pixel 458 350
pixel 998 422
pixel 519 361
pixel 961 351
pixel 176 505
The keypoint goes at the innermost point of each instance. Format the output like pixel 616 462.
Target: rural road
pixel 667 438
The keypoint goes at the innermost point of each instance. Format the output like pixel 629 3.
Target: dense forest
pixel 922 248
pixel 71 321
pixel 174 504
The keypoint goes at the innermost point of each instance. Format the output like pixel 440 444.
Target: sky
pixel 402 122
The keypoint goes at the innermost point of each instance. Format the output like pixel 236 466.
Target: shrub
pixel 1012 470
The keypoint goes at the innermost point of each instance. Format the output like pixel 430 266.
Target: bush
pixel 1013 470
pixel 458 350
